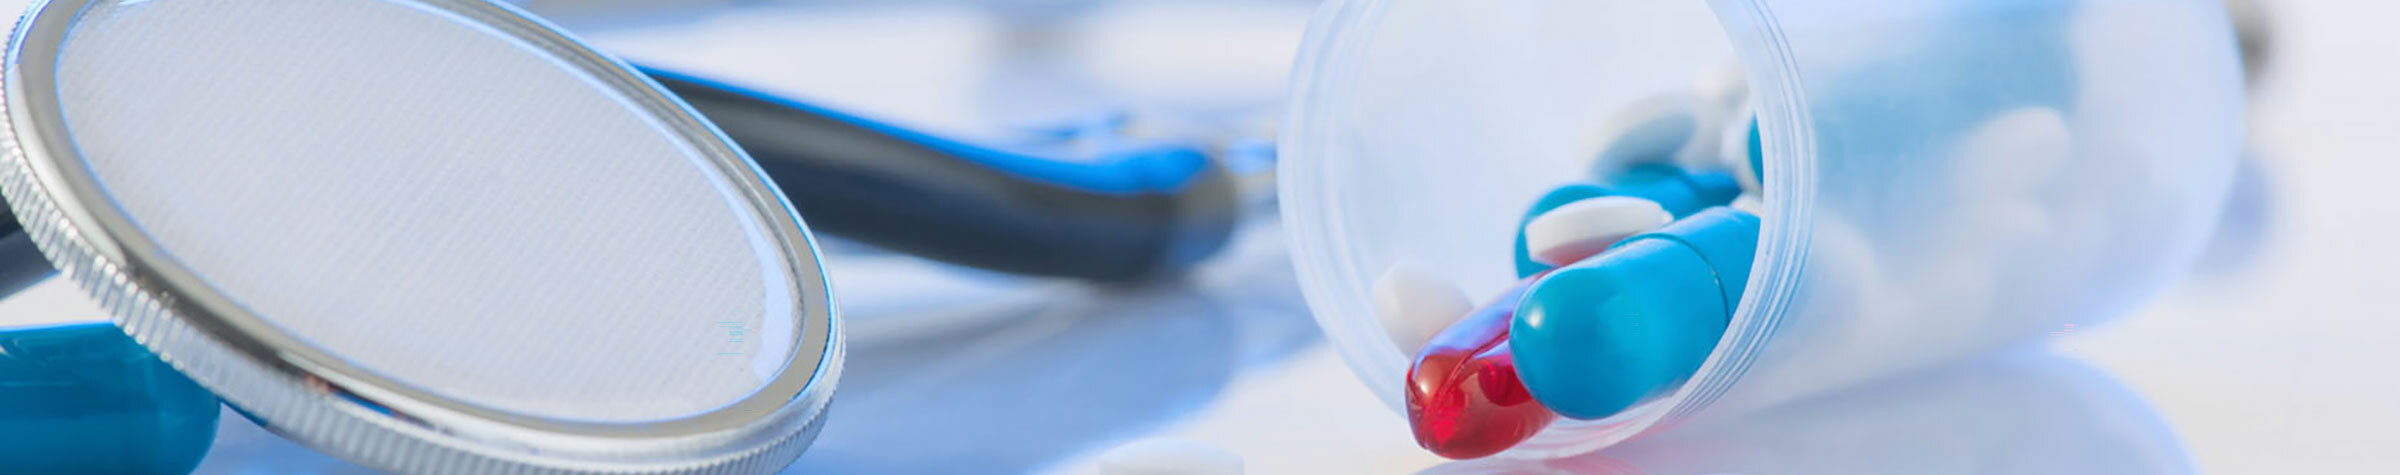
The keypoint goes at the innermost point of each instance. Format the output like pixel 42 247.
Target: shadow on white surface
pixel 2025 412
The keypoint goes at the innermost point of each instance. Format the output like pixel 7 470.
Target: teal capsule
pixel 1679 191
pixel 1754 148
pixel 84 398
pixel 1636 321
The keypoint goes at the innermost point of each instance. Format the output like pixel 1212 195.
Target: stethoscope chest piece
pixel 421 235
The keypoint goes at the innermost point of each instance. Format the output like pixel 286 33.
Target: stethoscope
pixel 301 304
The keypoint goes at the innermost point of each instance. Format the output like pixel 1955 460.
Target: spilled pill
pixel 1169 457
pixel 1583 228
pixel 1416 303
pixel 1464 397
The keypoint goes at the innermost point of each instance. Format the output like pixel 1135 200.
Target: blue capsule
pixel 1680 192
pixel 84 398
pixel 1631 324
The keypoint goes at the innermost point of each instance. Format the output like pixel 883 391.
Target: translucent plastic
pixel 1943 177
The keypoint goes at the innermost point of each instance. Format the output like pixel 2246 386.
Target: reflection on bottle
pixel 2021 412
pixel 84 398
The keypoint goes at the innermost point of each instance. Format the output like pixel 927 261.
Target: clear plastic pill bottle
pixel 1943 178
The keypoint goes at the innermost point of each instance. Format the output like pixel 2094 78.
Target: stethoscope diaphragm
pixel 422 235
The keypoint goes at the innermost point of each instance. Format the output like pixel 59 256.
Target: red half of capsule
pixel 1464 398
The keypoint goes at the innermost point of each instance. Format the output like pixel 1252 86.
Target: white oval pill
pixel 1583 228
pixel 1169 457
pixel 1651 130
pixel 1416 303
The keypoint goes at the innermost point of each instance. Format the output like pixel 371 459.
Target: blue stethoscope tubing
pixel 1122 217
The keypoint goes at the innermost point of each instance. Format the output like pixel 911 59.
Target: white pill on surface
pixel 1169 457
pixel 1416 303
pixel 1583 228
pixel 1651 130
